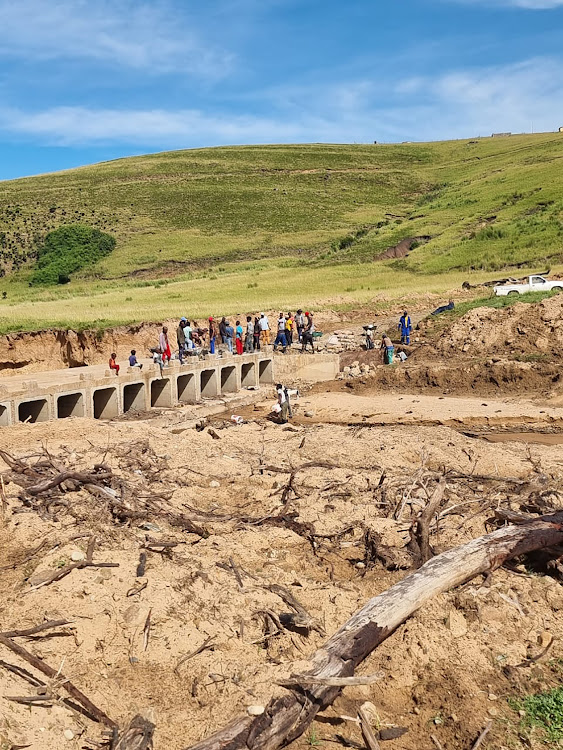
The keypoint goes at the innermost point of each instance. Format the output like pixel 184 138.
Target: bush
pixel 67 250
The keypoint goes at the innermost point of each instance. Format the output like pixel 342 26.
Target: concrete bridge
pixel 97 393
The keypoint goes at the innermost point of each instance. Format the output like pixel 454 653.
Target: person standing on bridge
pixel 405 327
pixel 264 330
pixel 281 339
pixel 223 330
pixel 164 345
pixel 212 335
pixel 249 338
pixel 257 334
pixel 181 338
pixel 239 332
pixel 229 335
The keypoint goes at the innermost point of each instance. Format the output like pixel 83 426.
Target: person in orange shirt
pixel 113 364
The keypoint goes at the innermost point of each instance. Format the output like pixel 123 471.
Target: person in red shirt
pixel 113 364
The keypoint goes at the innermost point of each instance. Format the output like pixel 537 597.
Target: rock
pixel 309 413
pixel 149 527
pixel 371 712
pixel 255 710
pixel 493 711
pixel 77 555
pixel 392 733
pixel 360 565
pixel 69 734
pixel 492 697
pixel 457 623
pixel 214 483
pixel 39 577
pixel 545 639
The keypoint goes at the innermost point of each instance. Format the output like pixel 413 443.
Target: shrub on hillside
pixel 69 249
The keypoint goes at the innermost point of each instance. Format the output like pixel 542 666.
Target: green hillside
pixel 479 205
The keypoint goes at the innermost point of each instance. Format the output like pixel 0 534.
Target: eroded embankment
pixel 485 377
pixel 35 351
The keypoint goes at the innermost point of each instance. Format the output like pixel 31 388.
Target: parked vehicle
pixel 534 284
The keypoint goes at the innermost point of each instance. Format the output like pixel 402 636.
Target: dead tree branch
pixel 287 717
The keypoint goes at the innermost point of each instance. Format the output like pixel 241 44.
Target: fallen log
pixel 288 716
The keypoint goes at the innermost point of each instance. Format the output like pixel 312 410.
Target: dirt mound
pixel 521 329
pixel 480 377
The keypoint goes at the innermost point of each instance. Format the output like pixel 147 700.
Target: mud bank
pixel 55 349
pixel 471 376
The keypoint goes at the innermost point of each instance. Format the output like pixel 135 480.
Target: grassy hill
pixel 257 217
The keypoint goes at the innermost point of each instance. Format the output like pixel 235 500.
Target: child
pixel 157 358
pixel 133 360
pixel 113 364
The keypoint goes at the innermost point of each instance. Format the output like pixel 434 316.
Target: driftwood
pixel 137 736
pixel 47 670
pixel 424 521
pixel 367 731
pixel 287 717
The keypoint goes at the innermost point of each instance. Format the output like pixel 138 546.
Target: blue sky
pixel 88 80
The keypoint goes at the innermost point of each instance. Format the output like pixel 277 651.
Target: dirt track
pixel 447 670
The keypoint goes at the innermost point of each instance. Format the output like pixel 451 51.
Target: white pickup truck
pixel 534 284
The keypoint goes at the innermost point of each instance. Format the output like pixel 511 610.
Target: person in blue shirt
pixel 405 327
pixel 133 360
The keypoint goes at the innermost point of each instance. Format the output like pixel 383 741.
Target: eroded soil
pixel 364 455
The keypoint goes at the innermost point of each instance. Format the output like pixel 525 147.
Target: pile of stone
pixel 340 341
pixel 355 370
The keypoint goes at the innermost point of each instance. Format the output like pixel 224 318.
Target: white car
pixel 534 284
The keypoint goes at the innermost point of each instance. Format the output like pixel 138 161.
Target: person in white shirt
pixel 280 338
pixel 283 401
pixel 265 329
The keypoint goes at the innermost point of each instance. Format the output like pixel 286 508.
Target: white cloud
pixel 139 35
pixel 79 126
pixel 457 104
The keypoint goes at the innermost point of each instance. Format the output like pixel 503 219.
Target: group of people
pixel 243 338
pixel 239 339
pixel 386 346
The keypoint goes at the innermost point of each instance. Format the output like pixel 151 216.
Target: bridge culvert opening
pixel 187 389
pixel 208 383
pixel 34 411
pixel 134 397
pixel 265 371
pixel 248 374
pixel 161 393
pixel 70 405
pixel 4 415
pixel 228 379
pixel 106 404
